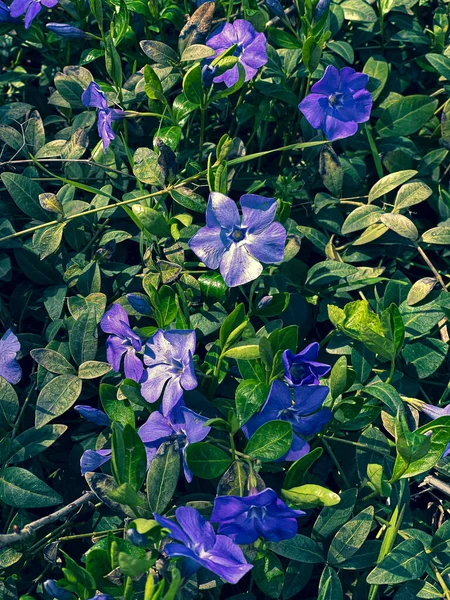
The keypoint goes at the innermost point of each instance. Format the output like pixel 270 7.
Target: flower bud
pixel 53 590
pixel 321 8
pixel 136 538
pixel 275 7
pixel 67 31
pixel 139 303
pixel 93 415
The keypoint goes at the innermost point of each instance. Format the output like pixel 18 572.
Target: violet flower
pixel 251 49
pixel 9 367
pixel 202 547
pixel 263 514
pixel 31 8
pixel 302 368
pixel 93 96
pixel 236 246
pixel 338 102
pixel 168 356
pixel 94 415
pixel 122 341
pixel 55 591
pixel 93 459
pixel 275 7
pixel 320 9
pixel 67 31
pixel 182 425
pixel 5 15
pixel 301 406
pixel 102 597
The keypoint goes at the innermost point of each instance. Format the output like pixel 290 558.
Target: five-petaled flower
pixel 9 367
pixel 31 8
pixel 301 406
pixel 182 426
pixel 250 49
pixel 338 102
pixel 122 341
pixel 93 96
pixel 168 356
pixel 202 547
pixel 237 246
pixel 303 368
pixel 263 514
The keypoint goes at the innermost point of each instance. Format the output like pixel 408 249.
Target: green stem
pixel 336 463
pixel 202 135
pixel 373 149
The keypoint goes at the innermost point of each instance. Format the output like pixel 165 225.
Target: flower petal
pixel 33 10
pixel 222 211
pixel 335 128
pixel 255 54
pixel 188 378
pixel 18 7
pixel 308 399
pixel 268 245
pixel 115 348
pixel 158 350
pixel 329 84
pixel 94 415
pixel 313 109
pixel 227 507
pixel 313 423
pixel 231 76
pixel 199 530
pixel 276 528
pixel 223 37
pixel 298 449
pixel 363 106
pixel 193 425
pixel 133 366
pixel 93 459
pixel 114 319
pixel 209 245
pixel 352 81
pixel 156 427
pixel 183 343
pixel 176 532
pixel 238 267
pixel 258 212
pixel 93 96
pixel 227 560
pixel 152 385
pixel 104 128
pixel 173 393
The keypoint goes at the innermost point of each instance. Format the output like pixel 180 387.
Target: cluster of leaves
pixel 365 273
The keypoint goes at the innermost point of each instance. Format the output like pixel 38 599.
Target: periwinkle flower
pixel 137 539
pixel 5 14
pixel 67 31
pixel 122 341
pixel 93 459
pixel 263 514
pixel 55 591
pixel 139 303
pixel 168 356
pixel 9 367
pixel 202 547
pixel 93 96
pixel 94 415
pixel 182 426
pixel 236 246
pixel 251 49
pixel 303 368
pixel 321 8
pixel 275 7
pixel 338 102
pixel 102 597
pixel 31 8
pixel 301 406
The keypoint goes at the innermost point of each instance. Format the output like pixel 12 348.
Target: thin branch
pixel 20 536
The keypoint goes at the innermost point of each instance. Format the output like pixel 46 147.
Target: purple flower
pixel 102 597
pixel 55 591
pixel 237 246
pixel 434 412
pixel 122 341
pixel 276 8
pixel 31 8
pixel 263 514
pixel 93 459
pixel 168 356
pixel 321 8
pixel 338 102
pixel 66 31
pixel 140 304
pixel 251 49
pixel 182 425
pixel 302 368
pixel 9 367
pixel 202 547
pixel 94 415
pixel 300 406
pixel 93 96
pixel 5 16
pixel 137 539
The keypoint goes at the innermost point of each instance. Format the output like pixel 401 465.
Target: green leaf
pixel 162 477
pixel 250 397
pixel 405 562
pixel 268 574
pixel 146 168
pixel 406 115
pixel 361 217
pixel 358 10
pixel 270 441
pixel 351 536
pixel 423 358
pixel 410 194
pixel 197 52
pixel 330 170
pixel 159 52
pixel 34 441
pixel 333 517
pixel 129 457
pixel 52 361
pixel 189 199
pixel 300 467
pixel 22 489
pixel 338 377
pixel 296 578
pixel 152 220
pixel 437 235
pixel 377 68
pixel 300 547
pixel 389 182
pixel 91 369
pixel 9 404
pixel 25 194
pixel 310 495
pixel 420 290
pixel 325 272
pixel 330 587
pixel 56 397
pixel 193 87
pixel 401 225
pixel 363 361
pixel 118 411
pixel 244 350
pixel 83 336
pixel 441 63
pixel 207 461
pixel 233 327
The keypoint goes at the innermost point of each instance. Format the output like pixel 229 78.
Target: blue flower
pixel 31 8
pixel 237 246
pixel 250 49
pixel 9 367
pixel 93 96
pixel 301 406
pixel 302 368
pixel 276 8
pixel 122 341
pixel 182 426
pixel 5 15
pixel 321 8
pixel 338 102
pixel 202 547
pixel 168 356
pixel 94 415
pixel 263 514
pixel 55 591
pixel 66 31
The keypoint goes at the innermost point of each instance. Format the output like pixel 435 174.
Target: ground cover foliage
pixel 224 264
